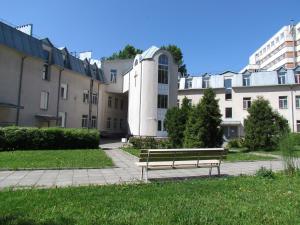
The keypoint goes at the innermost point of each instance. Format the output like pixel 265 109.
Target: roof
pixel 149 53
pixel 31 46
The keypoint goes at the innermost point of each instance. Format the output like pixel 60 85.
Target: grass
pixel 87 158
pixel 278 152
pixel 239 200
pixel 231 157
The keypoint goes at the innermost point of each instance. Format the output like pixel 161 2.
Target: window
pixel 108 122
pixel 281 77
pixel 189 83
pixel 86 96
pixel 94 122
pixel 121 124
pixel 44 100
pixel 297 78
pixel 62 119
pixel 116 102
pixel 283 104
pixel 298 102
pixel 246 103
pixel 246 80
pixel 163 69
pixel 109 101
pixel 164 126
pixel 45 74
pixel 95 98
pixel 159 125
pixel 136 62
pixel 228 88
pixel 113 76
pixel 162 101
pixel 298 126
pixel 228 112
pixel 205 82
pixel 115 123
pixel 84 121
pixel 122 104
pixel 63 91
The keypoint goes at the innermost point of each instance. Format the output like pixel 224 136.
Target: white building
pixel 236 91
pixel 281 50
pixel 41 85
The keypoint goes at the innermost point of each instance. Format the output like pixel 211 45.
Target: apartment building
pixel 236 91
pixel 44 86
pixel 281 50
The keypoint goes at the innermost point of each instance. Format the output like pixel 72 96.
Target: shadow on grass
pixel 18 219
pixel 168 179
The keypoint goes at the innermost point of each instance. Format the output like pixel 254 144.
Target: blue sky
pixel 214 35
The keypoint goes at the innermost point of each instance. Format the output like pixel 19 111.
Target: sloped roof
pixel 149 53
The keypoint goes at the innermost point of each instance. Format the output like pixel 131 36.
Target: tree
pixel 203 128
pixel 263 126
pixel 128 52
pixel 178 57
pixel 175 122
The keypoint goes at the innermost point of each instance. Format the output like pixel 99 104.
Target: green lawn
pixel 278 152
pixel 87 158
pixel 231 157
pixel 234 201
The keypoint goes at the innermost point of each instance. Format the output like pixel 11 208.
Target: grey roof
pixel 149 53
pixel 31 46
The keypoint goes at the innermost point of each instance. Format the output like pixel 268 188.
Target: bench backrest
pixel 154 155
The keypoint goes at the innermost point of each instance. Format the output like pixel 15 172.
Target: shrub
pixel 263 172
pixel 149 143
pixel 236 143
pixel 49 138
pixel 263 126
pixel 288 148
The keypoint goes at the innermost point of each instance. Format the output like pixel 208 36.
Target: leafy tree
pixel 178 57
pixel 263 126
pixel 175 122
pixel 128 52
pixel 203 128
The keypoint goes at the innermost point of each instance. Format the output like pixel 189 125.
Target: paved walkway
pixel 124 171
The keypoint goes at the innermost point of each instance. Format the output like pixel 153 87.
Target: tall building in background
pixel 281 50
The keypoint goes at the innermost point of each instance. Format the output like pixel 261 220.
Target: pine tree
pixel 203 128
pixel 175 123
pixel 263 126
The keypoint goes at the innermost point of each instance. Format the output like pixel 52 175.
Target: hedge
pixel 23 138
pixel 149 143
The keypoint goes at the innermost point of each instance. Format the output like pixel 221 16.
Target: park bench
pixel 151 159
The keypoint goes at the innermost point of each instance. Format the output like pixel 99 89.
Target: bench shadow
pixel 181 178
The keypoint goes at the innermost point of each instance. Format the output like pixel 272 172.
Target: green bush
pixel 263 172
pixel 288 147
pixel 236 143
pixel 149 143
pixel 47 138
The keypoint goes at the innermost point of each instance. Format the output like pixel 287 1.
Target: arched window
pixel 163 69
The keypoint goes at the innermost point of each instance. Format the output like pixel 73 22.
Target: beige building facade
pixel 44 86
pixel 236 91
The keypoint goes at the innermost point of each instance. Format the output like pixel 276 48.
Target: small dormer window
pixel 281 76
pixel 246 80
pixel 205 82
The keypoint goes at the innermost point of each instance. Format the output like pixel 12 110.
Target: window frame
pixel 85 95
pixel 162 101
pixel 44 100
pixel 113 76
pixel 246 103
pixel 297 101
pixel 283 102
pixel 84 121
pixel 226 113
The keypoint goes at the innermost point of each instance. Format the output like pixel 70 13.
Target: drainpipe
pixel 292 96
pixel 98 103
pixel 58 96
pixel 90 104
pixel 19 90
pixel 140 98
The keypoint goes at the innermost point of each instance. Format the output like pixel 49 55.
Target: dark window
pixel 95 98
pixel 109 101
pixel 122 104
pixel 163 69
pixel 116 102
pixel 228 89
pixel 283 102
pixel 115 123
pixel 159 125
pixel 246 80
pixel 108 123
pixel 94 122
pixel 298 126
pixel 228 112
pixel 281 77
pixel 45 75
pixel 205 82
pixel 298 102
pixel 86 96
pixel 162 101
pixel 246 103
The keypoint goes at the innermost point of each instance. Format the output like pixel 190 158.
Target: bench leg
pixel 210 171
pixel 219 171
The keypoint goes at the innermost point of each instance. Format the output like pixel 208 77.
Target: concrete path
pixel 125 171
